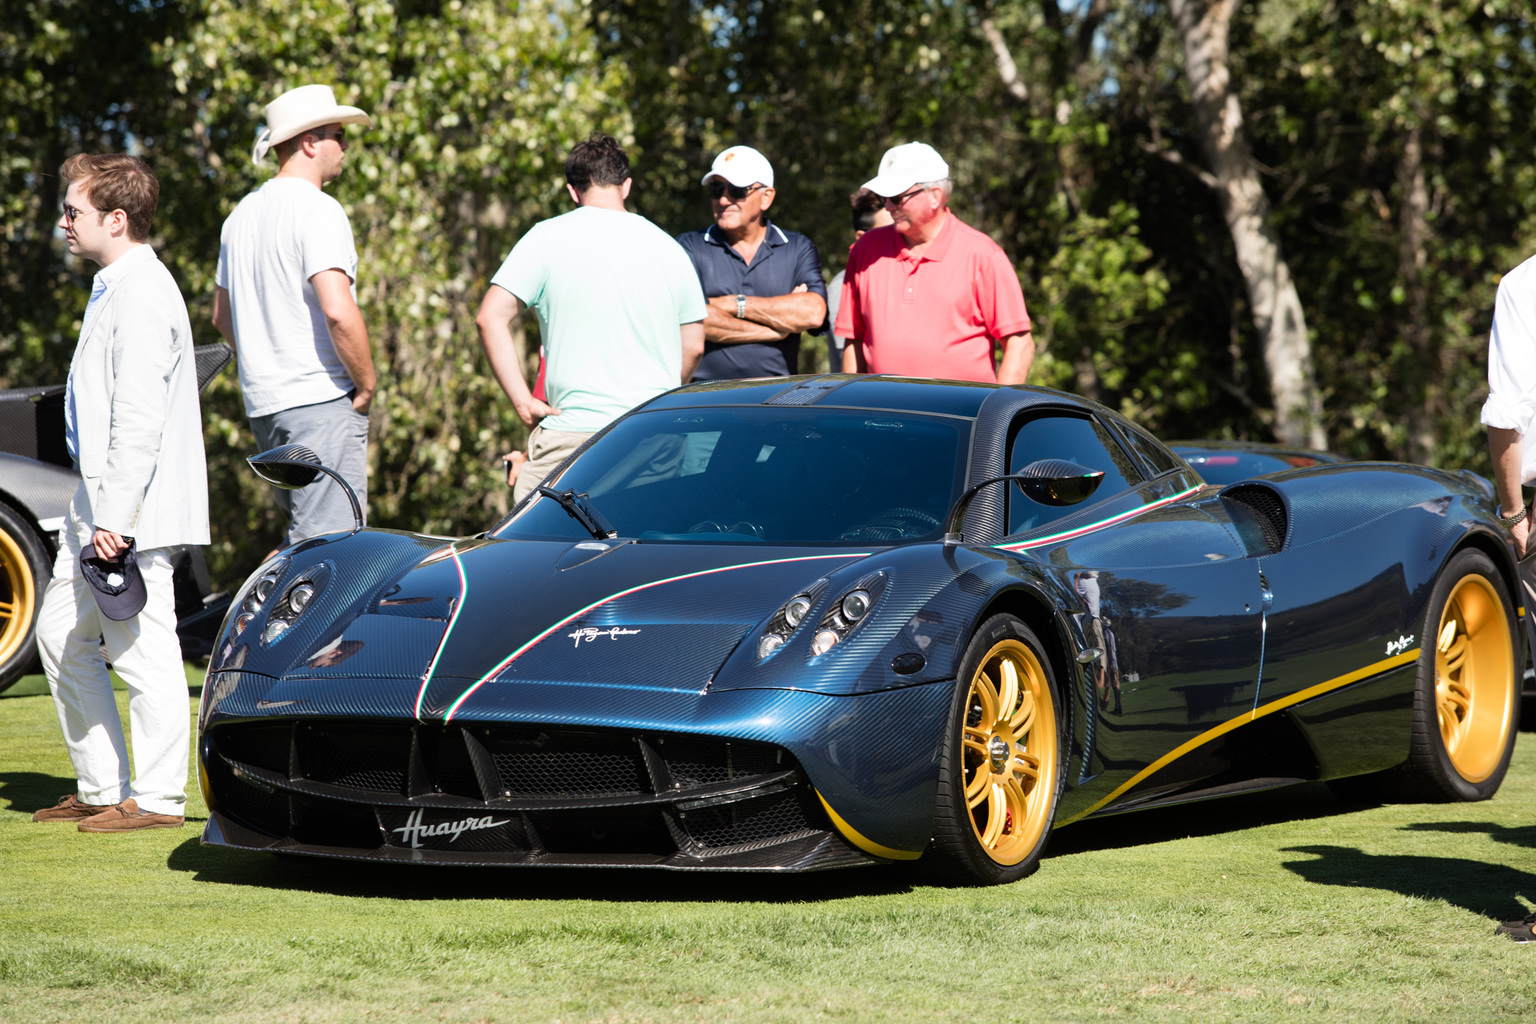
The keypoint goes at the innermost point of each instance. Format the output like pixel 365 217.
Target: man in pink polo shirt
pixel 929 296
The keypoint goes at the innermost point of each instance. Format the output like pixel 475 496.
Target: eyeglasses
pixel 736 192
pixel 899 200
pixel 70 212
pixel 338 135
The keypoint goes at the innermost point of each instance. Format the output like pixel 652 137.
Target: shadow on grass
pixel 1523 836
pixel 1489 890
pixel 32 791
pixel 449 882
pixel 1305 802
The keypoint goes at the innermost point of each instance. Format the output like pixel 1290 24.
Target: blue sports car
pixel 814 622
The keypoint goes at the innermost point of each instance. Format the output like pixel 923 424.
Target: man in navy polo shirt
pixel 763 283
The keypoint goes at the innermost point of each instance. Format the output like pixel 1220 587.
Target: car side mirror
pixel 1058 482
pixel 293 466
pixel 1048 481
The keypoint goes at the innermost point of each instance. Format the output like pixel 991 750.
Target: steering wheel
pixel 894 524
pixel 743 527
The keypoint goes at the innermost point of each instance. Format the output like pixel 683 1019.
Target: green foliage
pixel 1123 253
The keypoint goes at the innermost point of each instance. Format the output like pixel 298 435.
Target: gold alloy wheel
pixel 1474 664
pixel 18 597
pixel 1010 752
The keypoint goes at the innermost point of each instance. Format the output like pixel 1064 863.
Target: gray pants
pixel 338 434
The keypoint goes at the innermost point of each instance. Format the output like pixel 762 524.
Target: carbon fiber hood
pixel 440 620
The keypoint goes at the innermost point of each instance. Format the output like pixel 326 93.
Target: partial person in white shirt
pixel 1510 411
pixel 286 299
pixel 135 430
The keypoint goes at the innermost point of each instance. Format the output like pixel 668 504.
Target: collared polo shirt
pixel 937 314
pixel 785 260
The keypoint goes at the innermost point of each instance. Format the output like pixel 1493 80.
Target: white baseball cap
pixel 741 166
pixel 299 110
pixel 905 166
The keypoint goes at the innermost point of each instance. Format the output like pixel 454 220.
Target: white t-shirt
pixel 611 290
pixel 1511 400
pixel 279 237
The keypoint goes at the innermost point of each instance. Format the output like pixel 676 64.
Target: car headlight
pixel 841 618
pixel 255 594
pixel 282 606
pixel 292 602
pixel 845 614
pixel 788 619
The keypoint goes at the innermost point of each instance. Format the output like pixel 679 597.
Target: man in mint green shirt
pixel 620 312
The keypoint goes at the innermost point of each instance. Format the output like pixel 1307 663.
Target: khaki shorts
pixel 546 450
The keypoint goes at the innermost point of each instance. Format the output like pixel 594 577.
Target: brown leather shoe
pixel 126 817
pixel 69 808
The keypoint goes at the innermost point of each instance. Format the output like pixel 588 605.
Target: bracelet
pixel 741 307
pixel 1509 521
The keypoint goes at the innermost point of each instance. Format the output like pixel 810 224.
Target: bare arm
pixel 348 334
pixel 721 325
pixel 223 315
pixel 1505 446
pixel 769 317
pixel 853 356
pixel 1018 355
pixel 498 310
pixel 693 347
pixel 800 310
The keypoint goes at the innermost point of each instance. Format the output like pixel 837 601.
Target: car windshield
pixel 788 476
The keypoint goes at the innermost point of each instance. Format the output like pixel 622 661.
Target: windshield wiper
pixel 582 511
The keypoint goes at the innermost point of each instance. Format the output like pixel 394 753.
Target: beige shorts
pixel 546 450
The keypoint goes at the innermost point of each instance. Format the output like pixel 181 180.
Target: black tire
pixel 1466 699
pixel 1003 766
pixel 24 572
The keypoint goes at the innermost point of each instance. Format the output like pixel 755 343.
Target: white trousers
pixel 71 632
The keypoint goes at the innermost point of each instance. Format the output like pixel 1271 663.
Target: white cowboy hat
pixel 299 110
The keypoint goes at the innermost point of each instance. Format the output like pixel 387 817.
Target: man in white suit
pixel 135 430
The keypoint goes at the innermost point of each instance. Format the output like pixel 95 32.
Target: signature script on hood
pixel 590 633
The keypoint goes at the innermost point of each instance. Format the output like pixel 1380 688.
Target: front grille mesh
pixel 373 759
pixel 581 764
pixel 490 768
pixel 752 821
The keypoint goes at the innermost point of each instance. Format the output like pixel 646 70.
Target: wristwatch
pixel 1509 521
pixel 741 307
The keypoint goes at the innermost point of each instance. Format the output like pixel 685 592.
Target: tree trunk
pixel 1277 312
pixel 1413 232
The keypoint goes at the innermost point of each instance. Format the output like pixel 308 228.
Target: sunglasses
pixel 338 135
pixel 899 200
pixel 70 212
pixel 736 192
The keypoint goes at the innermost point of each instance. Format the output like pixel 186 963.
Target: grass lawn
pixel 1285 906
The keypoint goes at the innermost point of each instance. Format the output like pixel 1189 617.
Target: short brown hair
pixel 865 205
pixel 117 181
pixel 598 161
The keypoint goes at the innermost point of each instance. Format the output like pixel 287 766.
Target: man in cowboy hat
pixel 286 299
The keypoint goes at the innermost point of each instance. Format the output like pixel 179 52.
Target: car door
pixel 1168 593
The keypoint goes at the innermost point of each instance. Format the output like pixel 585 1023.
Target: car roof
pixel 862 391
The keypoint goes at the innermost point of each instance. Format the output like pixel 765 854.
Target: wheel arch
pixel 1037 612
pixel 1497 550
pixel 23 509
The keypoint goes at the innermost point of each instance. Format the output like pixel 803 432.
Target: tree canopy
pixel 1385 139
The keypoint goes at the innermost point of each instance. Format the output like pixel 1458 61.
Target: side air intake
pixel 1263 507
